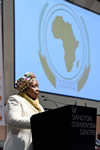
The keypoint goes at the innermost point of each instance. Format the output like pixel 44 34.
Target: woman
pixel 19 109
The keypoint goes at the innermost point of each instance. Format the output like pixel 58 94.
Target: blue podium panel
pixel 68 127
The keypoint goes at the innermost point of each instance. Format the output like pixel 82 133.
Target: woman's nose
pixel 37 88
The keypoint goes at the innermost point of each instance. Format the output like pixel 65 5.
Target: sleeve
pixel 14 115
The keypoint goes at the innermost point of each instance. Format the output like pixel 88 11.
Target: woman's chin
pixel 35 97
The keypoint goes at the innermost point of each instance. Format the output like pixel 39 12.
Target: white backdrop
pixel 8 28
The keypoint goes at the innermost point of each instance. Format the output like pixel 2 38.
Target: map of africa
pixel 63 30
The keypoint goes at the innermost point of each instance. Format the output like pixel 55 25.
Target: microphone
pixel 52 101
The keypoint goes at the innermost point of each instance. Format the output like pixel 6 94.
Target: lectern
pixel 66 128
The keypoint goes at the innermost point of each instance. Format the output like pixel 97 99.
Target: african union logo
pixel 64 47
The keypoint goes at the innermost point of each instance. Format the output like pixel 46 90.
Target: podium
pixel 69 127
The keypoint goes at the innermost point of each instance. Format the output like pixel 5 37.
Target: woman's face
pixel 33 89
